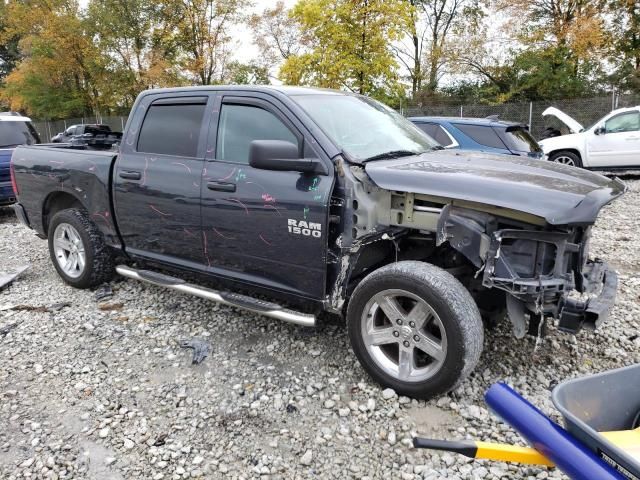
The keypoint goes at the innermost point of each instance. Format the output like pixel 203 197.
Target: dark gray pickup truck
pixel 291 202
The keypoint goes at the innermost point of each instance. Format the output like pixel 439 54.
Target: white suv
pixel 613 142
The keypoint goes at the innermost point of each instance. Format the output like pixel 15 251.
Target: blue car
pixel 14 130
pixel 481 134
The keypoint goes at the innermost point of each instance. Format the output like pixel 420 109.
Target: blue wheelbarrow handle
pixel 568 453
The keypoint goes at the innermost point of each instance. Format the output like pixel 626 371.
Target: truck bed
pixel 62 173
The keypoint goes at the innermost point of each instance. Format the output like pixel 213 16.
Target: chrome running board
pixel 267 309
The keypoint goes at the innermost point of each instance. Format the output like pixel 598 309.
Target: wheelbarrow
pixel 601 440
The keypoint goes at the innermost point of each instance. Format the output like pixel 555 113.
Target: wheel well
pixel 412 246
pixel 572 150
pixel 55 203
pixel 422 247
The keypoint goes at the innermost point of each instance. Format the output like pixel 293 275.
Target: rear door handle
pixel 130 175
pixel 221 186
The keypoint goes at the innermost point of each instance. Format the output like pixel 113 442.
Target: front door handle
pixel 221 186
pixel 130 175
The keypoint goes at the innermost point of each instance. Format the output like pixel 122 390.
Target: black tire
pixel 447 297
pixel 566 157
pixel 98 265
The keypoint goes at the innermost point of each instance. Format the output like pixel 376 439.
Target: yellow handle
pixel 511 453
pixel 627 440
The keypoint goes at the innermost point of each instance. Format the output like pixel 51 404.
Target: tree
pixel 348 45
pixel 62 72
pixel 410 56
pixel 574 28
pixel 547 49
pixel 252 73
pixel 276 33
pixel 9 52
pixel 139 44
pixel 624 43
pixel 431 37
pixel 203 35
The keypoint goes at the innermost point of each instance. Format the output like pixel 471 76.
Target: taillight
pixel 12 172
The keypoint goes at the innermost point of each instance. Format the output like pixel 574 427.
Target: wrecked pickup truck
pixel 291 202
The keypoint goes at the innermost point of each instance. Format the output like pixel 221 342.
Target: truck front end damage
pixel 511 260
pixel 544 273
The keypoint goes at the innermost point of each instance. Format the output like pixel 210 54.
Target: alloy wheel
pixel 69 250
pixel 404 335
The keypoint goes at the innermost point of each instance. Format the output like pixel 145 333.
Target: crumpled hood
pixel 558 193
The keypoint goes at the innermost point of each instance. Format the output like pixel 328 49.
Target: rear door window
pixel 482 134
pixel 428 128
pixel 172 129
pixel 239 125
pixel 437 132
pixel 518 139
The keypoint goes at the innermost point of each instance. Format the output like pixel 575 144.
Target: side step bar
pixel 267 309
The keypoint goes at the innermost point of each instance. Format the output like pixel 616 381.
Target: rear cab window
pixel 172 127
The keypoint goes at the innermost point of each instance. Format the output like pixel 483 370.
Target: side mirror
pixel 281 155
pixel 600 131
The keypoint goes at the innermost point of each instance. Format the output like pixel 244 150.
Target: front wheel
pixel 415 328
pixel 566 158
pixel 78 251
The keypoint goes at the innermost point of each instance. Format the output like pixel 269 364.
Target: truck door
pixel 157 179
pixel 261 226
pixel 618 143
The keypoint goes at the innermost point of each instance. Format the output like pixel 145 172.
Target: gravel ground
pixel 104 390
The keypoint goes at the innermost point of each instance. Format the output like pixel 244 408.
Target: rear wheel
pixel 415 328
pixel 566 158
pixel 78 251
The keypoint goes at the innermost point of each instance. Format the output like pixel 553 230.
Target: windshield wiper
pixel 391 154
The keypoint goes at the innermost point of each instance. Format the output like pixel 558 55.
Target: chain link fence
pixel 47 129
pixel 587 111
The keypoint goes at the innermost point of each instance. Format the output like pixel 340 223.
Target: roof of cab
pixel 467 120
pixel 284 89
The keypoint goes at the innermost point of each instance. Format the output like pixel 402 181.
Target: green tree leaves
pixel 348 45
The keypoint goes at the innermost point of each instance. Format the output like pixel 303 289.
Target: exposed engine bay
pixel 512 262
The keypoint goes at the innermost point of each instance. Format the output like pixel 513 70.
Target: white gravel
pixel 99 393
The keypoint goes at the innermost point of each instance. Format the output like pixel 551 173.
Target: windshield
pixel 362 127
pixel 520 140
pixel 17 133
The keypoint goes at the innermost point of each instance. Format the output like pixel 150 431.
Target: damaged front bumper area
pixel 591 312
pixel 548 274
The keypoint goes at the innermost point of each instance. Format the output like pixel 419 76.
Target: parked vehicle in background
pixel 325 201
pixel 613 142
pixel 489 135
pixel 14 130
pixel 94 135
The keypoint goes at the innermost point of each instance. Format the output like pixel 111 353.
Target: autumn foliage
pixel 63 58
